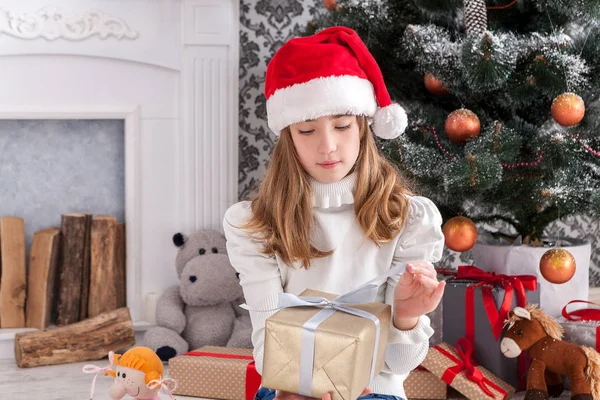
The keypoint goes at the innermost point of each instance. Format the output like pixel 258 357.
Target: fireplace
pixel 168 70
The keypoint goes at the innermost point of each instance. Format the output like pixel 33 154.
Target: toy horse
pixel 532 330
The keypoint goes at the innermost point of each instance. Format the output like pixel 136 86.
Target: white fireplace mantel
pixel 169 68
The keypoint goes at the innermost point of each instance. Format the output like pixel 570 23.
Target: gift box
pixel 215 373
pixel 504 258
pixel 422 384
pixel 455 367
pixel 337 355
pixel 477 304
pixel 581 326
pixel 436 318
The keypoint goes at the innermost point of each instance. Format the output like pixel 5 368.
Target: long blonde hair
pixel 282 209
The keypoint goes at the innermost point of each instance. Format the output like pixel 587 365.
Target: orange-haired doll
pixel 138 373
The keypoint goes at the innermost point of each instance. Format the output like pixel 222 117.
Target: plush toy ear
pixel 521 312
pixel 179 239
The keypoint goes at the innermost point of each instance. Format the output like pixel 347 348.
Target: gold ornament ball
pixel 568 109
pixel 462 125
pixel 557 266
pixel 330 4
pixel 460 233
pixel 434 86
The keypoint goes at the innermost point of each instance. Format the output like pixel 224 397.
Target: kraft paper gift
pixel 344 347
pixel 422 384
pixel 455 367
pixel 215 373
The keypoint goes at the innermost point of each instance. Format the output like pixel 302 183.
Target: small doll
pixel 138 373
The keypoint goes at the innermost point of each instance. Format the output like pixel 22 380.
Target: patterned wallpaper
pixel 265 26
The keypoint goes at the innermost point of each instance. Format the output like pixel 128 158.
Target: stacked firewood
pixel 81 265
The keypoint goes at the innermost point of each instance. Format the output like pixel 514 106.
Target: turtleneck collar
pixel 335 194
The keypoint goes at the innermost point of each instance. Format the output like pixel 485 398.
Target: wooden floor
pixel 66 382
pixel 56 382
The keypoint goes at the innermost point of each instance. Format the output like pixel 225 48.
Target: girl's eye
pixel 343 128
pixel 123 374
pixel 305 132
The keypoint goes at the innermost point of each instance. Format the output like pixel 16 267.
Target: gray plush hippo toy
pixel 203 310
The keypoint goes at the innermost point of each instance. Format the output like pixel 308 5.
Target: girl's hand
pixel 281 395
pixel 418 292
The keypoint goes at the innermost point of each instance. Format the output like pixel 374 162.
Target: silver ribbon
pixel 365 293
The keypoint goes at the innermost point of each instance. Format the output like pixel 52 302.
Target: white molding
pixel 179 102
pixel 51 24
pixel 131 117
pixel 209 93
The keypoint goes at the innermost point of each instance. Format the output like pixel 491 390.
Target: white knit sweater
pixel 354 261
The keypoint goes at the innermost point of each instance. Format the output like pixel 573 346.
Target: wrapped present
pixel 513 259
pixel 422 384
pixel 336 349
pixel 436 318
pixel 582 326
pixel 215 373
pixel 477 303
pixel 456 367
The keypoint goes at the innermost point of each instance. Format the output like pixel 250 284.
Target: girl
pixel 331 212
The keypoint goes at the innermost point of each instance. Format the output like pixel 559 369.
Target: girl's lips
pixel 329 165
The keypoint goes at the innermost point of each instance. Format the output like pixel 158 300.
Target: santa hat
pixel 329 73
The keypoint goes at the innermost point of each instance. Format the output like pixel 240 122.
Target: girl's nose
pixel 327 144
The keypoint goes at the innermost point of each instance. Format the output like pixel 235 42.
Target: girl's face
pixel 327 146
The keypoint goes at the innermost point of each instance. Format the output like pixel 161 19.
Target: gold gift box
pixel 343 353
pixel 438 363
pixel 211 376
pixel 422 384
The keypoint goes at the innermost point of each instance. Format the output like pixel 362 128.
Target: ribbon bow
pixel 166 385
pixel 488 280
pixel 586 314
pixel 94 369
pixel 464 362
pixel 365 293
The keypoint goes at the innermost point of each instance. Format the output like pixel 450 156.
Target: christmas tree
pixel 502 102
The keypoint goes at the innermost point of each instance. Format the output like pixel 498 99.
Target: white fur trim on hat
pixel 333 95
pixel 390 121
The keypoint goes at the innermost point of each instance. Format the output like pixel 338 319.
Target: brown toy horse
pixel 532 330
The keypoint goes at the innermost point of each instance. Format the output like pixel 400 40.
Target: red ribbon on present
pixel 253 379
pixel 464 362
pixel 487 281
pixel 585 314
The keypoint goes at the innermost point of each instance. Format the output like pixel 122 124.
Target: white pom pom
pixel 389 122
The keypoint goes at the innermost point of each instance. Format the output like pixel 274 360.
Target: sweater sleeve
pixel 421 240
pixel 259 274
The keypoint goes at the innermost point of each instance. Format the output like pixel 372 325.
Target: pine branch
pixel 497 217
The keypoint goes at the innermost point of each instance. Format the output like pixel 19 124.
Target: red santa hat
pixel 329 73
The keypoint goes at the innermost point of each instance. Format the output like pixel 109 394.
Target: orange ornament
pixel 330 4
pixel 557 266
pixel 460 233
pixel 434 86
pixel 568 109
pixel 462 125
